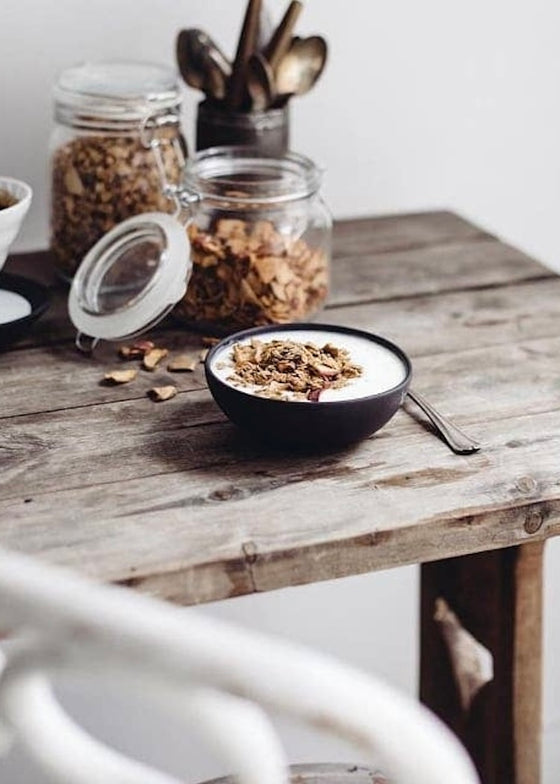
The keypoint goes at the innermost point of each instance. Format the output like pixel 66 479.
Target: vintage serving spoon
pixel 458 441
pixel 260 82
pixel 272 82
pixel 300 67
pixel 245 48
pixel 202 63
pixel 261 66
pixel 282 37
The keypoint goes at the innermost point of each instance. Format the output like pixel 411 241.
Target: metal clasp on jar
pixel 153 140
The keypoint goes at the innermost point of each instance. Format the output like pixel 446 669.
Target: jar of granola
pixel 260 238
pixel 102 172
pixel 248 244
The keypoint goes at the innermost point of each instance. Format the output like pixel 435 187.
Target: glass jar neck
pixel 241 176
pixel 101 120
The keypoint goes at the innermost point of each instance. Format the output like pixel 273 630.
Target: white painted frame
pixel 218 678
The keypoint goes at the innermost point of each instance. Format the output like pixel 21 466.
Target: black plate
pixel 308 424
pixel 37 296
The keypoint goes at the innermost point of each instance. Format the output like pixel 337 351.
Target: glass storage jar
pixel 248 244
pixel 260 237
pixel 102 172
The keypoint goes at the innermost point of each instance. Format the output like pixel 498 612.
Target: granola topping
pixel 286 369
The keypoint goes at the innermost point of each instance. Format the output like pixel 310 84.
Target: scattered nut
pixel 120 376
pixel 137 350
pixel 162 393
pixel 153 358
pixel 208 341
pixel 182 363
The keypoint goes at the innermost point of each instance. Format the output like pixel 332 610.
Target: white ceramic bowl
pixel 12 217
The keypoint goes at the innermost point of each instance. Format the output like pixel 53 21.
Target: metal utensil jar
pixel 101 171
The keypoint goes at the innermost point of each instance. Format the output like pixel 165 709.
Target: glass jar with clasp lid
pixel 249 244
pixel 101 170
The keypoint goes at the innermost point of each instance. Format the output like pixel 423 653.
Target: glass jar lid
pixel 131 278
pixel 116 90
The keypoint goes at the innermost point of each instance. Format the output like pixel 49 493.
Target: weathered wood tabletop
pixel 171 498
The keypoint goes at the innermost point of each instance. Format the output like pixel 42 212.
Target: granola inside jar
pixel 260 239
pixel 102 170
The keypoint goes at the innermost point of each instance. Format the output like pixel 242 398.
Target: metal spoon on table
pixel 457 440
pixel 202 63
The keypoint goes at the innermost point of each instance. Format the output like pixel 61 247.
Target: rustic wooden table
pixel 172 499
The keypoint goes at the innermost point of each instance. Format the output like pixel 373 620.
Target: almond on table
pixel 120 376
pixel 183 363
pixel 153 358
pixel 137 350
pixel 160 394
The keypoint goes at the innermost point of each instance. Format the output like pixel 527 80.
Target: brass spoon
pixel 202 63
pixel 260 82
pixel 300 67
pixel 246 46
pixel 260 68
pixel 282 38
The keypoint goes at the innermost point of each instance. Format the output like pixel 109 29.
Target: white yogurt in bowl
pixel 382 368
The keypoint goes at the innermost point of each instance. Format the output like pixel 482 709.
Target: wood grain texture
pixel 502 728
pixel 431 253
pixel 56 376
pixel 172 498
pixel 430 270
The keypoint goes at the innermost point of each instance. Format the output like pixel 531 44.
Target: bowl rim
pixel 302 325
pixel 25 199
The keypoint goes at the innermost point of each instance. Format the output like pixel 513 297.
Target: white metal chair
pixel 218 678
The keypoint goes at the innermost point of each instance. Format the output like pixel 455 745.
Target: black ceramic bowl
pixel 306 423
pixel 38 298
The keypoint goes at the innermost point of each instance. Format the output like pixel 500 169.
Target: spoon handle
pixel 454 437
pixel 245 48
pixel 280 41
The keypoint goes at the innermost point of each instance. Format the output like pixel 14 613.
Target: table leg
pixel 497 597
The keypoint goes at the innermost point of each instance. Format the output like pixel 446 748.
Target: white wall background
pixel 432 104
